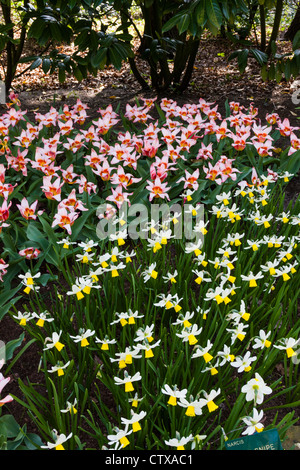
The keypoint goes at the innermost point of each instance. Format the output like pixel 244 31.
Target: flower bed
pixel 155 259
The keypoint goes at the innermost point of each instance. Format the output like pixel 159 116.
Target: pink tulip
pixel 65 219
pixel 29 253
pixel 157 189
pixel 28 211
pixel 4 382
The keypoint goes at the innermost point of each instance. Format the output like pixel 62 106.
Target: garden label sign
pixel 266 440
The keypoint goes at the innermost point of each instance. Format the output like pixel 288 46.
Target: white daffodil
pixel 66 242
pixel 193 406
pixel 174 393
pixel 220 294
pixel 200 227
pixel 42 318
pixel 125 358
pixel 203 352
pixel 252 278
pixel 219 211
pixel 88 245
pixel 119 236
pixel 209 399
pixel 127 256
pixel 122 317
pixel 150 272
pixel 189 334
pixel 285 176
pixel 212 367
pixel 237 332
pixel 284 217
pixel 71 407
pixel 253 422
pixel 171 277
pixel 83 285
pixel 147 347
pixel 85 257
pixel 288 345
pixel 59 368
pixel 184 319
pixel 235 239
pixel 134 420
pixel 127 381
pixel 153 226
pixel 253 244
pixel 23 318
pixel 135 400
pixel 82 337
pixel 233 213
pixel 285 254
pixel 105 342
pixel 114 253
pixel 119 439
pixel 194 247
pixel 226 355
pixel 202 312
pixel 273 241
pixel 285 272
pixel 132 316
pixel 237 315
pixel 193 210
pixel 226 252
pixel 201 276
pixel 103 260
pixel 270 266
pixel 144 333
pixel 166 301
pixel 262 341
pixel 164 235
pixel 115 268
pixel 224 198
pixel 243 364
pixel 60 439
pixel 54 342
pixel 228 263
pixel 27 280
pixel 175 303
pixel 154 244
pixel 179 442
pixel 295 219
pixel 255 389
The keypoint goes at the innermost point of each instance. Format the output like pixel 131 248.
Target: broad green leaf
pixel 36 63
pixel 171 23
pixel 98 60
pixel 183 23
pixel 243 59
pixel 9 426
pixel 214 14
pixel 12 345
pixel 260 56
pixel 296 41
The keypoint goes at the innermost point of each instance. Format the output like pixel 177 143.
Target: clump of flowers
pixel 181 318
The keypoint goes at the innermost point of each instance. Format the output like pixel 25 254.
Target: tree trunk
pixel 262 28
pixel 131 60
pixel 13 53
pixel 294 26
pixel 6 11
pixel 190 65
pixel 276 25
